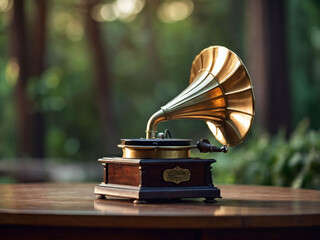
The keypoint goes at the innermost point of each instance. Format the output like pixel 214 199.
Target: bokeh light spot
pixel 107 12
pixel 74 30
pixel 127 8
pixel 315 37
pixel 173 11
pixel 5 5
pixel 96 13
pixel 53 78
pixel 12 71
pixel 60 20
pixel 123 10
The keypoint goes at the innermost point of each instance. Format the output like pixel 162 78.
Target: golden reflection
pixel 184 207
pixel 187 207
pixel 220 60
pixel 8 196
pixel 233 210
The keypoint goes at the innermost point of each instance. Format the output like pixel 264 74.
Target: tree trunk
pixel 102 80
pixel 39 39
pixel 153 56
pixel 268 63
pixel 279 113
pixel 23 104
pixel 257 59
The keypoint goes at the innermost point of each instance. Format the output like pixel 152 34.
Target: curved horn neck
pixel 157 117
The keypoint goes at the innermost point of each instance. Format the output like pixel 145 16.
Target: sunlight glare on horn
pixel 222 54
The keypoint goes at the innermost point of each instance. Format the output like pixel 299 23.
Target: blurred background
pixel 78 75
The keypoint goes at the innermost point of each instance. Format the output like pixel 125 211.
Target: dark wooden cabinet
pixel 151 179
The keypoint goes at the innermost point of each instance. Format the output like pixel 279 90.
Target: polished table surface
pixel 75 205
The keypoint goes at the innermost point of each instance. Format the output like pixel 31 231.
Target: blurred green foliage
pixel 266 160
pixel 303 21
pixel 6 180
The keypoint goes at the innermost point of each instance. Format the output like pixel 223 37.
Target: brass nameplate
pixel 176 175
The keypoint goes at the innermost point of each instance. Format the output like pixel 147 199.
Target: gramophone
pixel 159 167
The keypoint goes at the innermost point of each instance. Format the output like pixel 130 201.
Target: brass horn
pixel 220 92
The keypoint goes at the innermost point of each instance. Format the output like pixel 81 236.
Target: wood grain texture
pixel 123 174
pixel 74 205
pixel 149 172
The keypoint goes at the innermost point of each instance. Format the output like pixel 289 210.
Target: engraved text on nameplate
pixel 176 175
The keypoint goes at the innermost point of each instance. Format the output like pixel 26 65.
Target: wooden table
pixel 71 211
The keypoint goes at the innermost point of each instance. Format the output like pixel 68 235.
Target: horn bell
pixel 220 92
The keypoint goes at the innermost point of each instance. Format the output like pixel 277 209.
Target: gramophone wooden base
pixel 156 193
pixel 151 179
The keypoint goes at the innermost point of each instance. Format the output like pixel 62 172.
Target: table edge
pixel 160 222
